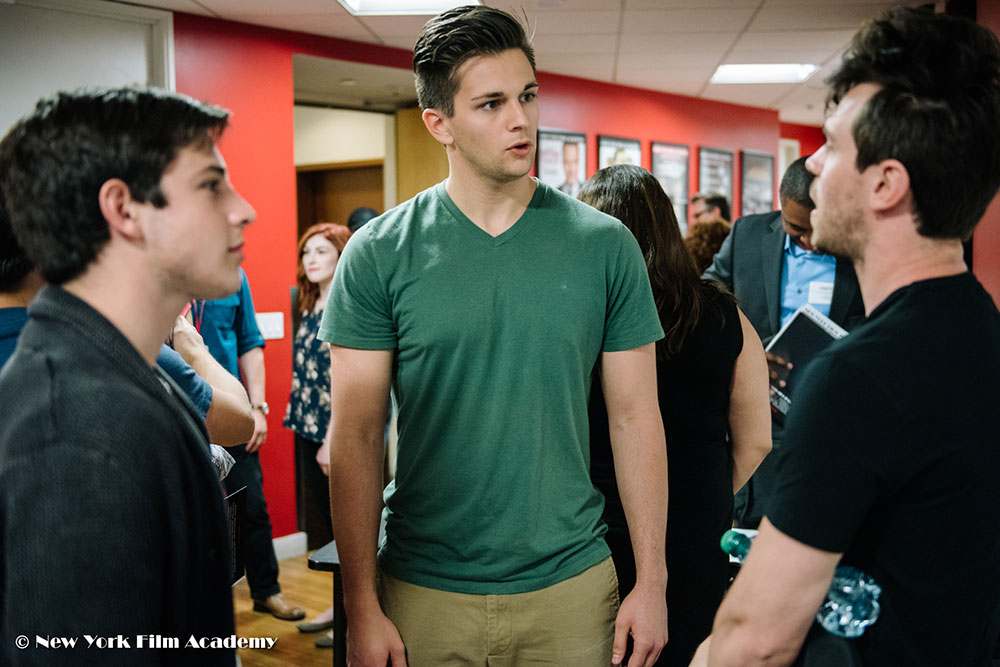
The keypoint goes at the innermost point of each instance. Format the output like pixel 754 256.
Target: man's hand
pixel 777 368
pixel 643 615
pixel 323 456
pixel 187 340
pixel 373 641
pixel 259 431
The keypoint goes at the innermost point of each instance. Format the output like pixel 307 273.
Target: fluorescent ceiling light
pixel 401 7
pixel 772 73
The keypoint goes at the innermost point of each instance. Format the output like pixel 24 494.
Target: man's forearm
pixel 641 470
pixel 252 365
pixel 356 504
pixel 212 372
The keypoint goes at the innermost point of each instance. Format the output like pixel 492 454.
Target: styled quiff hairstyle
pixel 453 37
pixel 54 161
pixel 307 289
pixel 636 198
pixel 937 112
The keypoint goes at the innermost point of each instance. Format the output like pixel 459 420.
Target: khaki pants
pixel 569 623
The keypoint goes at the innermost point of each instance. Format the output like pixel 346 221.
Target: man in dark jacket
pixel 111 517
pixel 770 265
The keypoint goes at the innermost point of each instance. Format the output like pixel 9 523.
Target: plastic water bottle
pixel 851 604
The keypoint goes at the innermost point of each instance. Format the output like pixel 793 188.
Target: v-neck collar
pixel 477 231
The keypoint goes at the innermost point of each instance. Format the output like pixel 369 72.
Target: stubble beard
pixel 840 233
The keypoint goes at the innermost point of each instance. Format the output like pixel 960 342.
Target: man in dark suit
pixel 768 262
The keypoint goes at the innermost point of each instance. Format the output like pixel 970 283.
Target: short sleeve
pixel 834 459
pixel 632 320
pixel 358 312
pixel 199 391
pixel 247 333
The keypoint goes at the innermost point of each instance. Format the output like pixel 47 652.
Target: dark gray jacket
pixel 111 514
pixel 749 264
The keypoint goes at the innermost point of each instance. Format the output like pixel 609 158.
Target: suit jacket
pixel 749 263
pixel 111 513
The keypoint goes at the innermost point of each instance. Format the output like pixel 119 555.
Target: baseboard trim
pixel 289 546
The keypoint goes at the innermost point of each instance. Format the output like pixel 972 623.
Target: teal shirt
pixel 495 342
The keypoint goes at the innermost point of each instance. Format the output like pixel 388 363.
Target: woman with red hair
pixel 308 413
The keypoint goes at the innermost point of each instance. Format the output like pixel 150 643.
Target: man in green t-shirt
pixel 487 302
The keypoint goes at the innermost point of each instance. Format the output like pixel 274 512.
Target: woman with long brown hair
pixel 712 384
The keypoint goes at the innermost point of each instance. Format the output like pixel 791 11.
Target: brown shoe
pixel 278 608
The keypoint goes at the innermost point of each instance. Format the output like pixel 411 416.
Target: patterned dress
pixel 308 412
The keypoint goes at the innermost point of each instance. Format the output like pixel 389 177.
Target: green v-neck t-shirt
pixel 495 341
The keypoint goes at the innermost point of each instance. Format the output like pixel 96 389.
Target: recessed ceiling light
pixel 401 7
pixel 770 73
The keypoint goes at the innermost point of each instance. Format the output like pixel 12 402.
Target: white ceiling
pixel 666 45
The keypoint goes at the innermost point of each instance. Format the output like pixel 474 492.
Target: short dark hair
pixel 795 183
pixel 713 200
pixel 359 217
pixel 54 161
pixel 453 37
pixel 936 112
pixel 14 264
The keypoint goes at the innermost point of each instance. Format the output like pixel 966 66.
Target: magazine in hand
pixel 804 336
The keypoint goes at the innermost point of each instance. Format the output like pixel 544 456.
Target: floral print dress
pixel 308 412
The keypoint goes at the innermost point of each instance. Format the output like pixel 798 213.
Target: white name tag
pixel 820 293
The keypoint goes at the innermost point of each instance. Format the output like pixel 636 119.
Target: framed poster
pixel 616 150
pixel 758 183
pixel 670 166
pixel 562 160
pixel 715 172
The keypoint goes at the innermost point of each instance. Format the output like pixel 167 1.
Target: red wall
pixel 986 240
pixel 248 69
pixel 810 138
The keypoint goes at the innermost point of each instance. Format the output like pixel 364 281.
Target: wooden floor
pixel 311 590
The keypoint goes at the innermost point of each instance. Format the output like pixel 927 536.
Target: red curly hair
pixel 335 234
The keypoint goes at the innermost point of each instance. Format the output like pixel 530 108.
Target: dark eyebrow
pixel 498 95
pixel 219 171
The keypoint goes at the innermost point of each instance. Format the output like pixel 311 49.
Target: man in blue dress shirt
pixel 769 263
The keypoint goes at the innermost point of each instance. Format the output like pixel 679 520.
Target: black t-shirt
pixel 891 456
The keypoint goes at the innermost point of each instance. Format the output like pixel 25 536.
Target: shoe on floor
pixel 277 607
pixel 315 627
pixel 326 641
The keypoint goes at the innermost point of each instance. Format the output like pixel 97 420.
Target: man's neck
pixel 494 207
pixel 140 311
pixel 902 259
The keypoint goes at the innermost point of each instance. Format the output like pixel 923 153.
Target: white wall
pixel 324 136
pixel 52 45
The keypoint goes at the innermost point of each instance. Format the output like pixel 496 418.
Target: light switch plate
pixel 271 325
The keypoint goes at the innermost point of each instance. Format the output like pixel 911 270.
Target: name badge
pixel 820 293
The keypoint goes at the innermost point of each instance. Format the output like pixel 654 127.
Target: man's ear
pixel 437 124
pixel 119 209
pixel 889 185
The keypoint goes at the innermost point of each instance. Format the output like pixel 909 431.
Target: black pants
pixel 261 564
pixel 312 494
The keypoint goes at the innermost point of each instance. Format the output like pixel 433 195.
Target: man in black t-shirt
pixel 892 445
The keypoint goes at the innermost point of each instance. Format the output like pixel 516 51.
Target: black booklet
pixel 236 509
pixel 804 336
